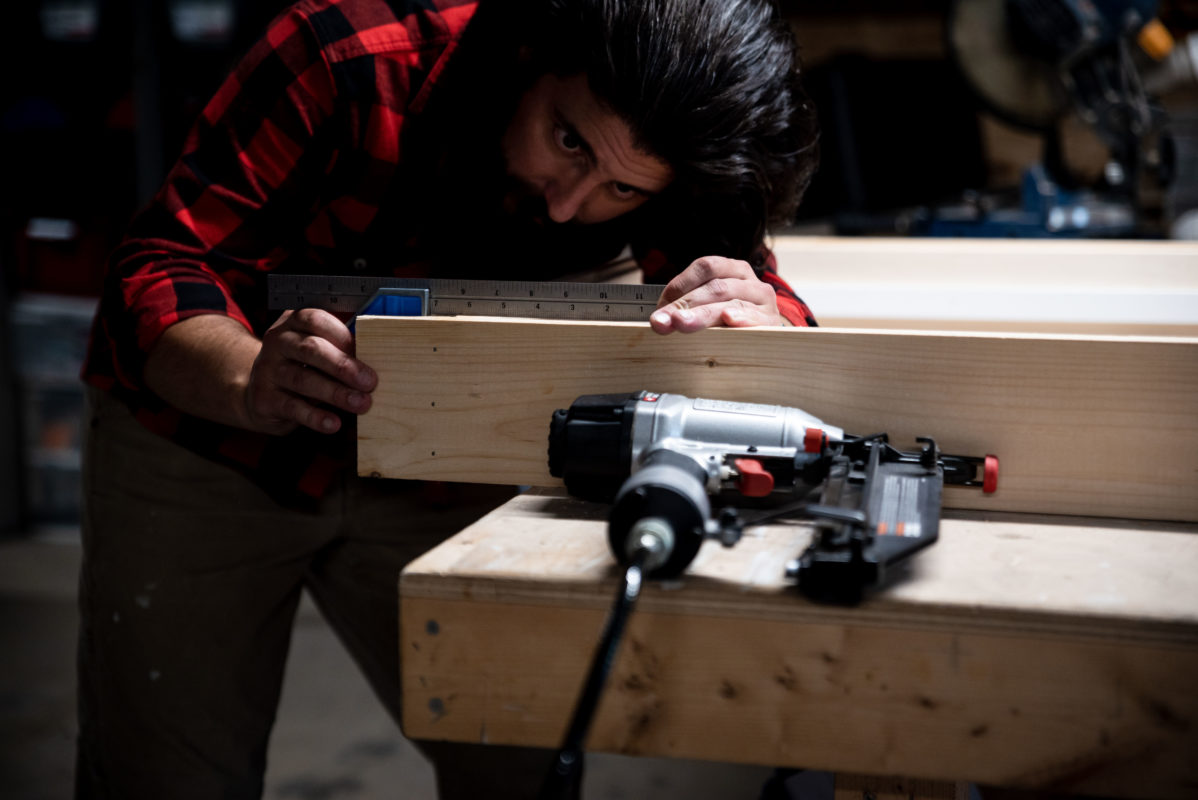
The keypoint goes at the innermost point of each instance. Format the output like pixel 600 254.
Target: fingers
pixel 701 272
pixel 731 314
pixel 305 373
pixel 311 384
pixel 311 362
pixel 715 291
pixel 301 329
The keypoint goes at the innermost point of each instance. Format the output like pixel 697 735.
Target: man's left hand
pixel 715 292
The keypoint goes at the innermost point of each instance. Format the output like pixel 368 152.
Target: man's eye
pixel 623 191
pixel 567 139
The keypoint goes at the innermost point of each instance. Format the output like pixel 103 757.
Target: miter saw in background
pixel 1033 62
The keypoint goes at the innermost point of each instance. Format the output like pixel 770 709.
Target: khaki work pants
pixel 190 584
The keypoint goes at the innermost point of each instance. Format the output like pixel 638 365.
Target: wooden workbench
pixel 1057 651
pixel 1021 651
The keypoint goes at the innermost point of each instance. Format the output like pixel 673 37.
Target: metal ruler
pixel 449 297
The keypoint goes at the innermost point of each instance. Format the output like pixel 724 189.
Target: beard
pixel 522 204
pixel 498 225
pixel 460 209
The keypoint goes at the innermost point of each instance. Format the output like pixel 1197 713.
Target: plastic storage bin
pixel 50 336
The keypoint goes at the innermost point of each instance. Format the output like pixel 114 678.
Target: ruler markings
pixel 557 299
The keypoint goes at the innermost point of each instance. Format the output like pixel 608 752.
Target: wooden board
pixel 1104 426
pixel 1057 286
pixel 1018 652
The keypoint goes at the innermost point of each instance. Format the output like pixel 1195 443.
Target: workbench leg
pixel 870 787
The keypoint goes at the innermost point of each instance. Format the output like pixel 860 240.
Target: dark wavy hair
pixel 710 86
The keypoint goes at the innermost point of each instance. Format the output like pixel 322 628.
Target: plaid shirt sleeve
pixel 790 304
pixel 220 218
pixel 262 157
pixel 284 162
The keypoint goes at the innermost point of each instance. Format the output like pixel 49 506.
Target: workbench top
pixel 1024 651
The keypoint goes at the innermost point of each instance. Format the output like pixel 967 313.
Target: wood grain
pixel 1025 653
pixel 1146 288
pixel 1104 426
pixel 1060 286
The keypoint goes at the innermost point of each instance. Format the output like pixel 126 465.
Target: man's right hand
pixel 306 366
pixel 300 373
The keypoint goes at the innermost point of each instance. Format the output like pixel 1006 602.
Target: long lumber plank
pixel 1103 426
pixel 1067 286
pixel 1023 652
pixel 1058 286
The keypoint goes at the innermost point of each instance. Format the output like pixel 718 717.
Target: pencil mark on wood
pixel 1164 715
pixel 787 679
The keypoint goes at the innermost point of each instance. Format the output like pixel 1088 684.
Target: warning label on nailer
pixel 898 513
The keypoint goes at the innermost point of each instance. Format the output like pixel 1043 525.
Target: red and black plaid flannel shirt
pixel 288 165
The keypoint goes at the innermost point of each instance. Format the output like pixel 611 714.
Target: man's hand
pixel 306 366
pixel 715 291
pixel 212 367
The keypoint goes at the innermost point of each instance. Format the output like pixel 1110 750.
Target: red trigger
pixel 755 480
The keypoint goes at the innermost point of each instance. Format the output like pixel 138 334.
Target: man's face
pixel 571 159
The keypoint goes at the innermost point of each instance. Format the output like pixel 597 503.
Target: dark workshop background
pixel 95 102
pixel 99 95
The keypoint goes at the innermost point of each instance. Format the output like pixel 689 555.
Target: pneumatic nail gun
pixel 679 470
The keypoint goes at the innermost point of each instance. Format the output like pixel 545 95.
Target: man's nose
pixel 565 196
